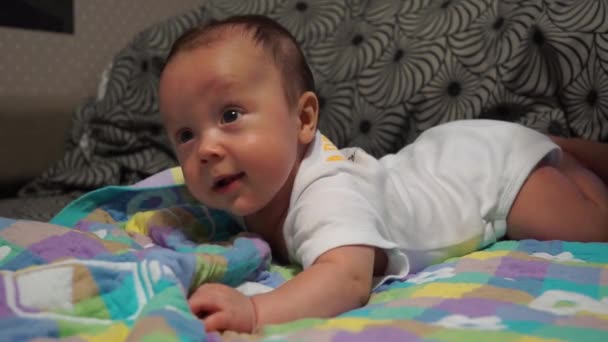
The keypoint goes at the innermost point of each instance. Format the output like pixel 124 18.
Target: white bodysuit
pixel 444 195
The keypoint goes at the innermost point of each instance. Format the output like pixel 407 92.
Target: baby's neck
pixel 269 220
pixel 268 224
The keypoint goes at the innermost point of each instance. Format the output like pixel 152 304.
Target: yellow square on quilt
pixel 445 290
pixel 178 175
pixel 352 323
pixel 485 255
pixel 115 332
pixel 536 339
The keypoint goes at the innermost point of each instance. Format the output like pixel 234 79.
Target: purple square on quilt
pixel 376 334
pixel 532 286
pixel 576 274
pixel 71 244
pixel 522 268
pixel 4 309
pixel 604 277
pixel 159 179
pixel 487 266
pixel 522 313
pixel 472 307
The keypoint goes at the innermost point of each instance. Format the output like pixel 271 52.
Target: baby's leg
pixel 566 202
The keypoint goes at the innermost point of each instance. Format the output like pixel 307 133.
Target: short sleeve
pixel 330 214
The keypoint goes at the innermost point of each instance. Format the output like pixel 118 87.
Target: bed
pixel 118 262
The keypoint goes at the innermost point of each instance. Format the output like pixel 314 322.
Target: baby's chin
pixel 240 207
pixel 244 210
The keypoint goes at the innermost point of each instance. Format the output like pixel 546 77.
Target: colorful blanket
pixel 124 267
pixel 512 291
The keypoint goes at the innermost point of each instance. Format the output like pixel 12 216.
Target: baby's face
pixel 234 134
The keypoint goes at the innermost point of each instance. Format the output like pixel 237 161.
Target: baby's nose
pixel 210 150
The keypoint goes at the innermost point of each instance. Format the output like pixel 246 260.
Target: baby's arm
pixel 338 281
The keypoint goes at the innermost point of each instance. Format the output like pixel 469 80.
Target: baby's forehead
pixel 238 47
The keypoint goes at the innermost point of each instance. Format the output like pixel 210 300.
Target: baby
pixel 238 102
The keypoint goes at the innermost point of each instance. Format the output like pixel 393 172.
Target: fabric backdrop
pixel 385 71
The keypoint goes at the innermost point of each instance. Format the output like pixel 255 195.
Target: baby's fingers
pixel 218 321
pixel 203 302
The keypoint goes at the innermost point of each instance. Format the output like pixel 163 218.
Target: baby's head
pixel 275 41
pixel 238 104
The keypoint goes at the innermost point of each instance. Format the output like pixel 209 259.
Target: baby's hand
pixel 221 307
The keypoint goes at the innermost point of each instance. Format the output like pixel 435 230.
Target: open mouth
pixel 224 182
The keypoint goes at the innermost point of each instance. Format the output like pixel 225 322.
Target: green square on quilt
pixel 602 291
pixel 570 333
pixel 287 272
pixel 171 296
pixel 385 313
pixel 568 286
pixel 91 307
pixel 74 328
pixel 469 277
pixel 392 294
pixel 466 335
pixel 8 251
pixel 594 252
pixel 159 336
pixel 285 328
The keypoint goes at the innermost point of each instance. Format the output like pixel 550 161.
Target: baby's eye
pixel 184 135
pixel 230 115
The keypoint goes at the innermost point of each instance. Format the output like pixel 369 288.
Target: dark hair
pixel 273 37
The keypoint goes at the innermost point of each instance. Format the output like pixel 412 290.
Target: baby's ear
pixel 307 116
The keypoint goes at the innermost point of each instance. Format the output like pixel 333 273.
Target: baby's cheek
pixel 193 183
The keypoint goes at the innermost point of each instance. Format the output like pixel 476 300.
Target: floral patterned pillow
pixel 385 71
pixel 388 69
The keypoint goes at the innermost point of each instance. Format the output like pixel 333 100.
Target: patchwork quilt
pixel 118 264
pixel 512 291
